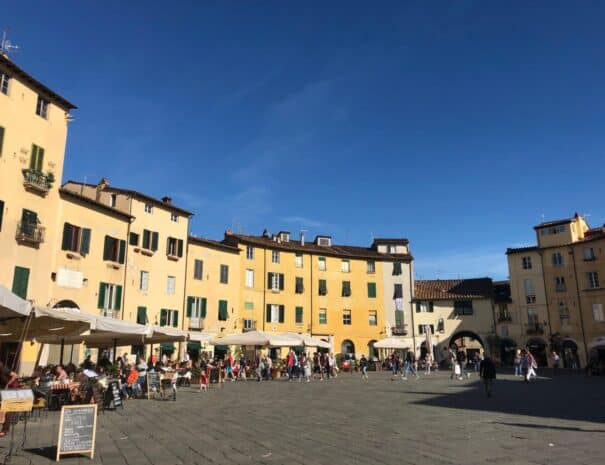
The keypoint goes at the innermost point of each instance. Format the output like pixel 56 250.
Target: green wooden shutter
pixel 1 139
pixel 175 318
pixel 40 160
pixel 32 157
pixel 299 315
pixel 21 281
pixel 118 298
pixel 142 315
pixel 204 302
pixel 85 244
pixel 1 213
pixel 154 241
pixel 281 281
pixel 101 301
pixel 122 255
pixel 268 315
pixel 180 247
pixel 371 289
pixel 107 248
pixel 133 239
pixel 223 313
pixel 282 311
pixel 66 243
pixel 190 304
pixel 163 316
pixel 269 280
pixel 146 239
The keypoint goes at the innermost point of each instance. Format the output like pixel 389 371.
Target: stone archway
pixel 372 352
pixel 537 347
pixel 467 344
pixel 66 303
pixel 347 348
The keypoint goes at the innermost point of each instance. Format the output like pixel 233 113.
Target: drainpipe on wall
pixel 412 306
pixel 546 296
pixel 575 272
pixel 265 283
pixel 126 263
pixel 311 296
pixel 183 344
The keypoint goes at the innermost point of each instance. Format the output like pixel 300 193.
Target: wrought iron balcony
pixel 30 233
pixel 503 318
pixel 535 328
pixel 37 181
pixel 196 323
pixel 399 330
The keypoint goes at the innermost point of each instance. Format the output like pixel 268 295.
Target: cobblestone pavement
pixel 433 420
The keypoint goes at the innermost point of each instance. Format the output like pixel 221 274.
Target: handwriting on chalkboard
pixel 153 383
pixel 77 430
pixel 113 395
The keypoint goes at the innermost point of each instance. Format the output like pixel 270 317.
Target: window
pixel 597 312
pixel 275 256
pixel 323 316
pixel 397 271
pixel 422 329
pixel 144 283
pixel 526 263
pixel 20 281
pixel 275 313
pixel 463 307
pixel 371 266
pixel 557 259
pixel 142 316
pixel 196 307
pixel 321 263
pixel 399 322
pixel 373 318
pixel 42 107
pixel 392 248
pixel 114 250
pixel 345 266
pixel 324 241
pixel 148 208
pixel 372 290
pixel 593 280
pixel 298 316
pixel 346 288
pixel 588 251
pixel 346 317
pixel 441 325
pixel 560 284
pixel 171 285
pixel 224 274
pixel 174 247
pixel 198 269
pixel 563 312
pixel 133 239
pixel 150 240
pixel 532 317
pixel 113 200
pixel 299 285
pixel 36 160
pixel 553 230
pixel 110 296
pixel 1 139
pixel 249 278
pixel 223 313
pixel 249 305
pixel 298 260
pixel 174 217
pixel 76 239
pixel 323 287
pixel 248 324
pixel 169 317
pixel 4 80
pixel 530 291
pixel 398 291
pixel 250 252
pixel 424 307
pixel 275 281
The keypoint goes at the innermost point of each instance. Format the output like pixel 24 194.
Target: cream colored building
pixel 459 313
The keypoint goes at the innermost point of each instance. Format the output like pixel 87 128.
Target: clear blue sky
pixel 455 124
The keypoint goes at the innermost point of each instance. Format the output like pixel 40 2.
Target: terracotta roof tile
pixel 453 289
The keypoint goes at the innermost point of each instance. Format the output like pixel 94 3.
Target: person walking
pixel 517 363
pixel 556 361
pixel 453 363
pixel 532 366
pixel 394 365
pixel 290 364
pixel 325 365
pixel 260 366
pixel 410 358
pixel 307 368
pixel 487 371
pixel 363 363
pixel 427 364
pixel 242 367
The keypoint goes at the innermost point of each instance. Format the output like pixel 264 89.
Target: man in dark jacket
pixel 487 371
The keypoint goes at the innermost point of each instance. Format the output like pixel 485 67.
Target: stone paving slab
pixel 433 420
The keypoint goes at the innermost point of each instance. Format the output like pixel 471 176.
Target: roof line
pixel 102 206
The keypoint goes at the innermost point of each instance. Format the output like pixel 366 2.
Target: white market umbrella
pixel 201 337
pixel 165 334
pixel 255 338
pixel 308 341
pixel 11 305
pixel 394 343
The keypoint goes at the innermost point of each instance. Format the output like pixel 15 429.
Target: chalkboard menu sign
pixel 153 384
pixel 112 395
pixel 77 430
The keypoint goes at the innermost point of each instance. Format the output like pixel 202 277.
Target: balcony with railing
pixel 196 323
pixel 30 233
pixel 37 181
pixel 400 330
pixel 504 318
pixel 535 329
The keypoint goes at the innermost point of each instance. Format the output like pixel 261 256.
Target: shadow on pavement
pixel 46 452
pixel 562 428
pixel 567 397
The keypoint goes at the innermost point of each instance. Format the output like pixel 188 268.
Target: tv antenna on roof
pixel 6 46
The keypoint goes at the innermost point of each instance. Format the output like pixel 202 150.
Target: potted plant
pixel 276 370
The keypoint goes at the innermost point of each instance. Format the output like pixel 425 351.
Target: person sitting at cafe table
pixel 60 374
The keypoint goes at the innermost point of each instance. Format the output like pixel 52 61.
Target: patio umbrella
pixel 428 341
pixel 307 341
pixel 255 338
pixel 394 343
pixel 11 305
pixel 165 334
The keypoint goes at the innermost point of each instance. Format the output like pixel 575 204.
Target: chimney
pixel 167 200
pixel 302 238
pixel 103 183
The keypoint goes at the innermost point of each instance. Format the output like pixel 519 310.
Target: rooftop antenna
pixel 6 46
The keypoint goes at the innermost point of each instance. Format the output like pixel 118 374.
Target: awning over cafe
pixel 394 343
pixel 256 338
pixel 11 305
pixel 308 341
pixel 160 334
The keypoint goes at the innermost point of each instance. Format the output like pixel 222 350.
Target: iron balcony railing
pixel 535 328
pixel 37 180
pixel 504 318
pixel 31 233
pixel 399 330
pixel 196 323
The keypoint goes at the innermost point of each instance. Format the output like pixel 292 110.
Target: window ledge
pixel 174 258
pixel 591 289
pixel 73 256
pixel 146 252
pixel 115 266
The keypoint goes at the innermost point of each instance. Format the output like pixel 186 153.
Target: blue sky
pixel 459 125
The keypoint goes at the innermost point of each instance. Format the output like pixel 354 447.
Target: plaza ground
pixel 433 420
